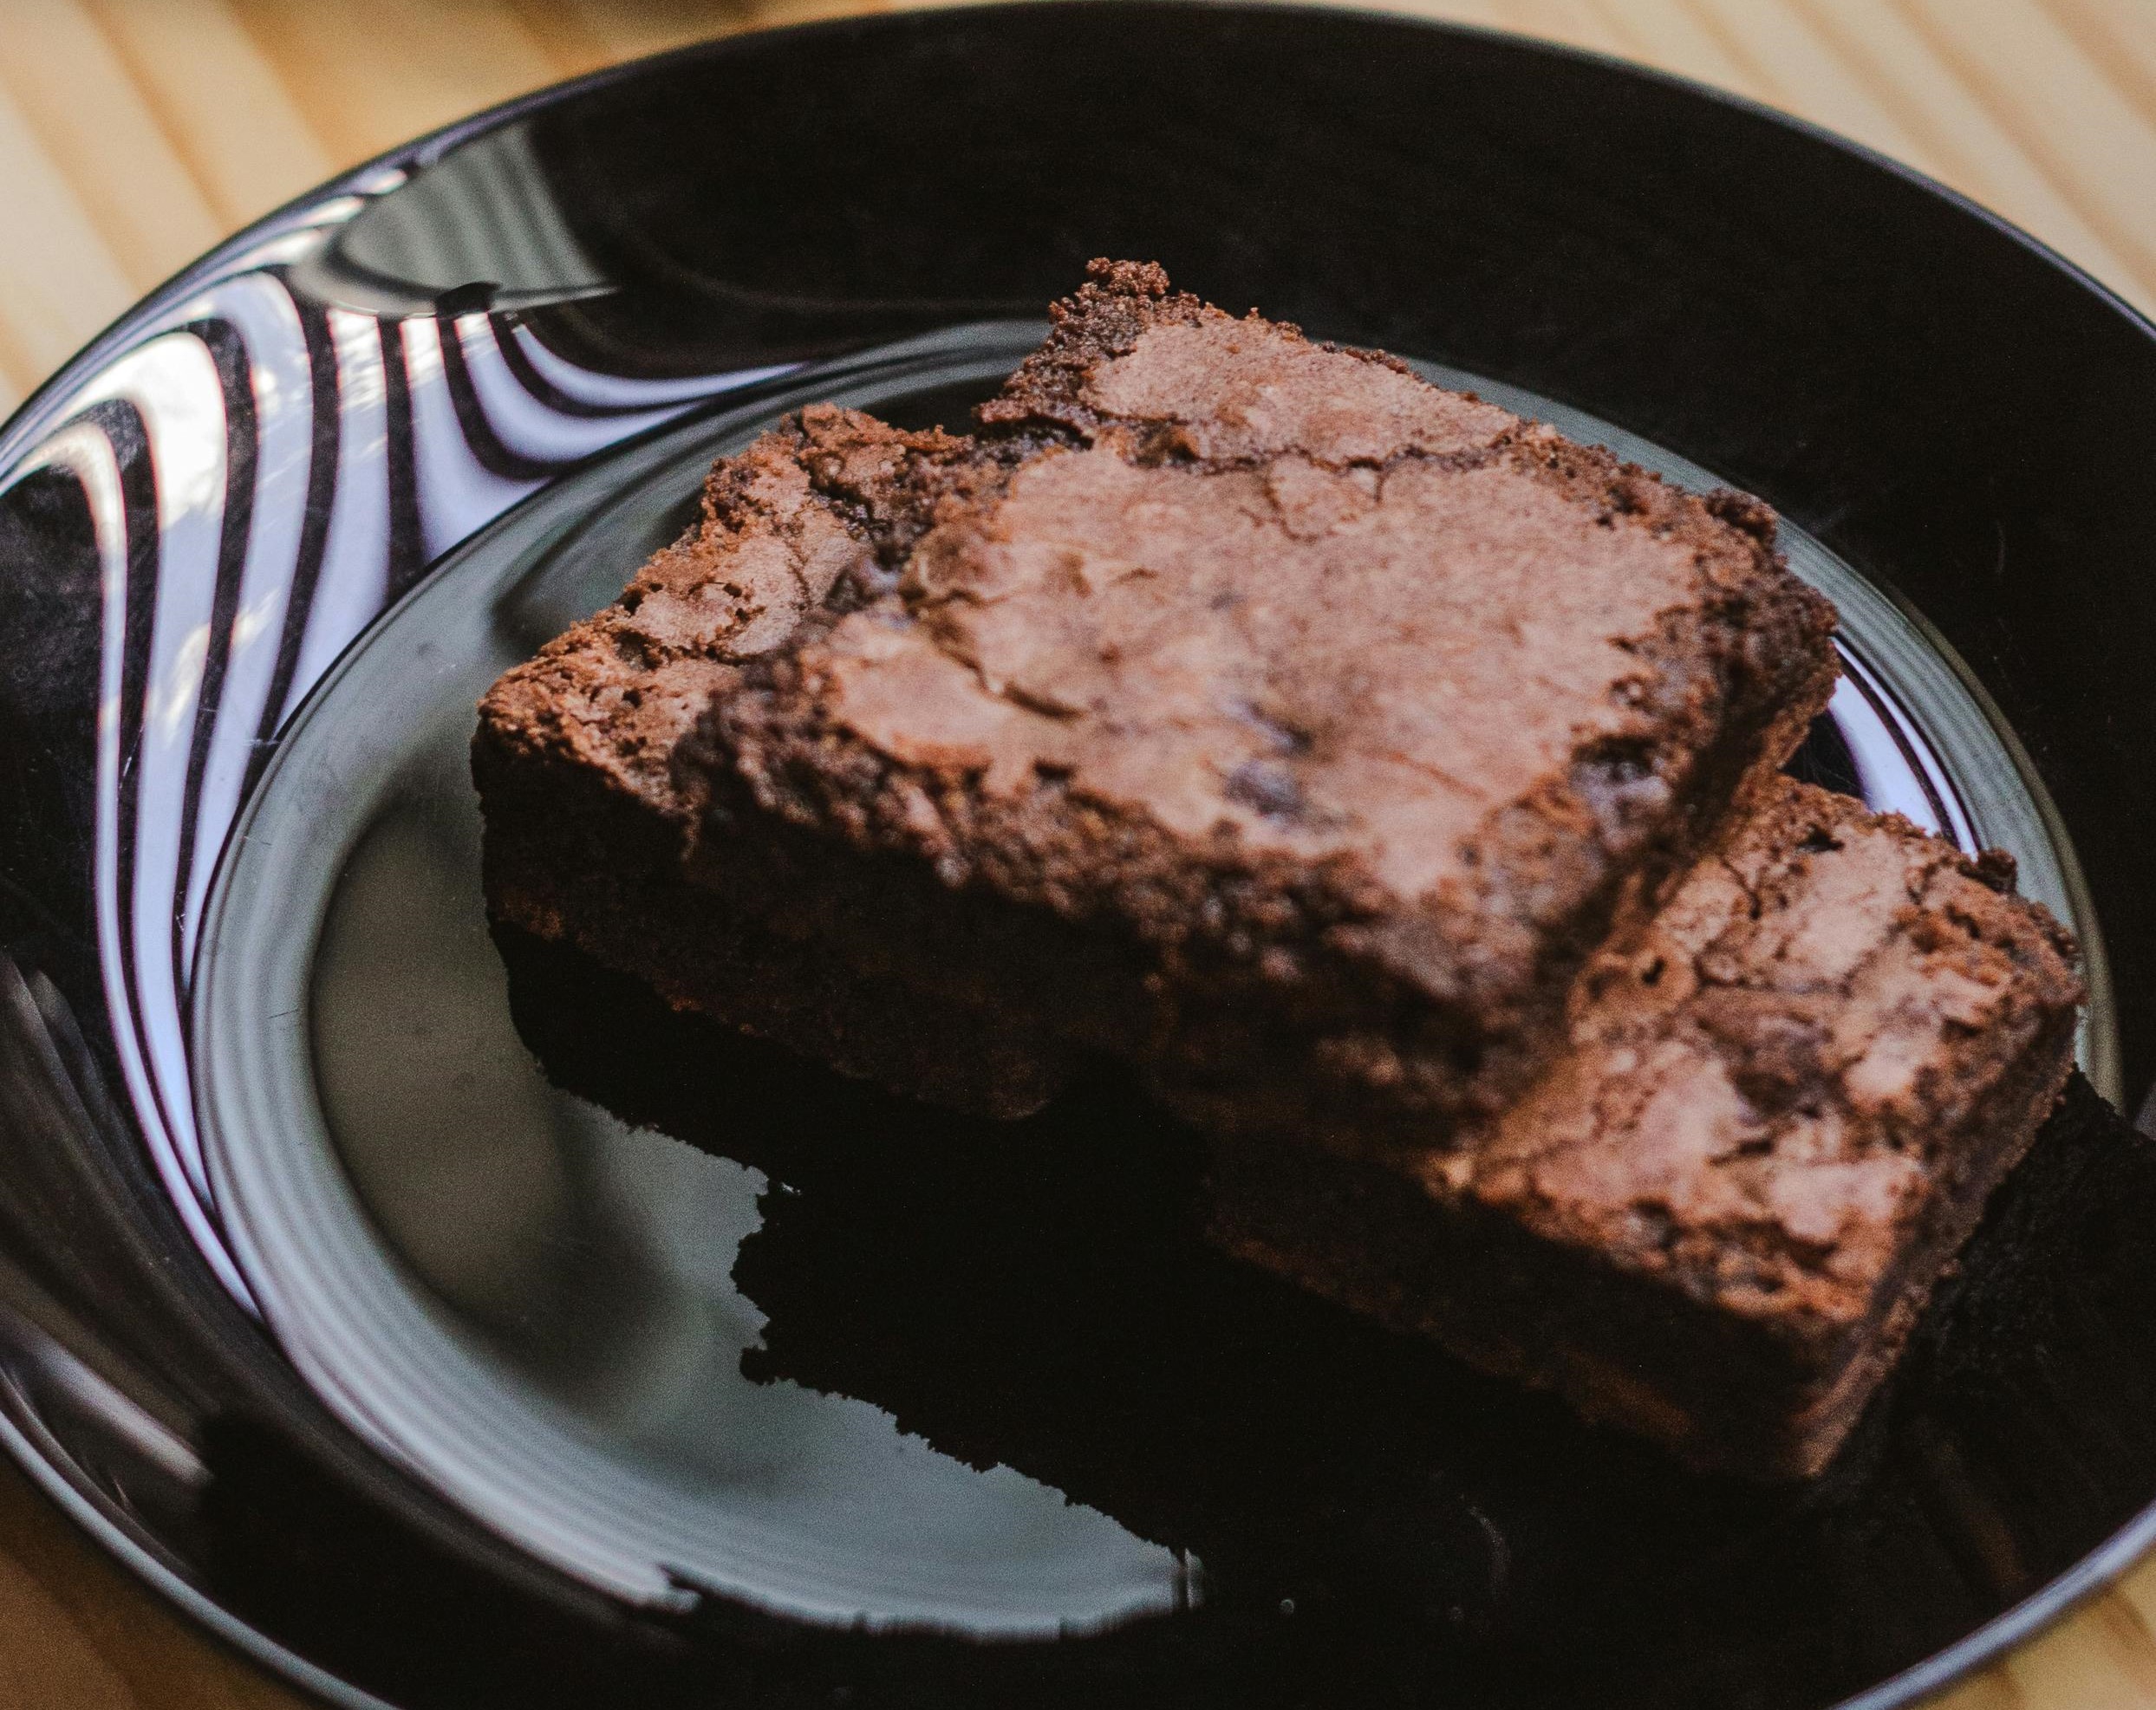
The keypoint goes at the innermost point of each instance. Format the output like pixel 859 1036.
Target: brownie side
pixel 586 829
pixel 1343 828
pixel 1714 1221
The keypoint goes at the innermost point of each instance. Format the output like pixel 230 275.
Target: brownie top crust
pixel 1769 1091
pixel 1278 605
pixel 1399 669
pixel 615 694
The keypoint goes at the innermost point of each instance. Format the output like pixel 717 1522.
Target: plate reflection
pixel 597 1260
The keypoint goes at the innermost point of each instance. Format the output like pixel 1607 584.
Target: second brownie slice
pixel 1779 1113
pixel 1235 706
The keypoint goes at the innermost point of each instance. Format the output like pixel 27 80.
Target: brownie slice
pixel 586 827
pixel 1715 1217
pixel 1239 707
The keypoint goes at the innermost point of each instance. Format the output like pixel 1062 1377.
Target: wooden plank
pixel 78 1632
pixel 370 74
pixel 1974 151
pixel 1794 66
pixel 2103 1656
pixel 59 280
pixel 1577 24
pixel 627 30
pixel 1680 38
pixel 2060 105
pixel 77 95
pixel 246 140
pixel 2120 37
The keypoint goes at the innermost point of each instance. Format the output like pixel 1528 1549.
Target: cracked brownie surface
pixel 1780 1111
pixel 1232 704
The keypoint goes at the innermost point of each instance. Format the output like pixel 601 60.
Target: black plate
pixel 550 1409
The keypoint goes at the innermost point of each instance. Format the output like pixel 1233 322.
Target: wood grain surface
pixel 135 133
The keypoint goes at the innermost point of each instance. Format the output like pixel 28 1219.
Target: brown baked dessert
pixel 1714 1220
pixel 1238 707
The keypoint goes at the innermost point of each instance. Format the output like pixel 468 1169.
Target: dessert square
pixel 1238 709
pixel 1715 1217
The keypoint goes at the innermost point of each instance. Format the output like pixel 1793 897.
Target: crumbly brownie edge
pixel 1766 1383
pixel 1989 1154
pixel 1726 1394
pixel 585 828
pixel 1103 319
pixel 1615 1346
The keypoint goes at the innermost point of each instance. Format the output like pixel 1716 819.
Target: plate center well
pixel 827 1358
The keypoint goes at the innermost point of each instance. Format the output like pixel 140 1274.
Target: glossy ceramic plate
pixel 447 1324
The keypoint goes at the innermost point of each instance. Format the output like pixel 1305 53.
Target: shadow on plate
pixel 1370 1515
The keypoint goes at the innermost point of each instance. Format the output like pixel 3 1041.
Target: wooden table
pixel 135 133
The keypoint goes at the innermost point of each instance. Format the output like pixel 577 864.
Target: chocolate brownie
pixel 1716 1216
pixel 587 826
pixel 1230 705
